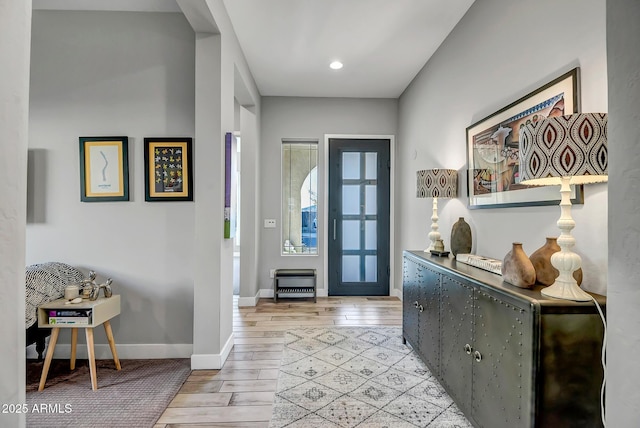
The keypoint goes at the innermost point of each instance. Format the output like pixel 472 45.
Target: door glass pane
pixel 350 165
pixel 351 235
pixel 370 235
pixel 371 268
pixel 350 200
pixel 371 201
pixel 371 162
pixel 350 268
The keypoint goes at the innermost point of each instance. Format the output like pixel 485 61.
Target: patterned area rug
pixel 135 396
pixel 358 377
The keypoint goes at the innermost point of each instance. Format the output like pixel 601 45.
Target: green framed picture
pixel 104 169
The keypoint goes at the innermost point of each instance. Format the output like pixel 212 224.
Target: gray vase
pixel 461 237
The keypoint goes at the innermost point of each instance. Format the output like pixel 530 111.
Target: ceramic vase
pixel 461 237
pixel 517 269
pixel 546 274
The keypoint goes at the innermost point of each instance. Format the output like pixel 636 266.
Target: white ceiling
pixel 289 44
pixel 382 43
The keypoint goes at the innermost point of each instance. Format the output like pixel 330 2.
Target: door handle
pixel 334 229
pixel 468 349
pixel 478 356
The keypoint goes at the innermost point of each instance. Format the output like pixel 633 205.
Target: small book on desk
pixel 70 320
pixel 70 312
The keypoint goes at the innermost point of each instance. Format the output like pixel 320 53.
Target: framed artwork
pixel 104 169
pixel 229 185
pixel 493 148
pixel 168 169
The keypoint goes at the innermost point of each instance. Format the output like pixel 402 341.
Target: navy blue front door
pixel 359 186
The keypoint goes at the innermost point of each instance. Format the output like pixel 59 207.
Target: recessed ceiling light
pixel 336 65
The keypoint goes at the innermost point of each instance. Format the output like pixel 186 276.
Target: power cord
pixel 604 364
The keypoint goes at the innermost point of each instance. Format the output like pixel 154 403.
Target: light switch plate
pixel 269 223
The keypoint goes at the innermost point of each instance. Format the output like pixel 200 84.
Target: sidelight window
pixel 299 197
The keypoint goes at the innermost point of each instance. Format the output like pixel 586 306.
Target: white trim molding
pixel 128 351
pixel 396 293
pixel 266 293
pixel 250 301
pixel 212 361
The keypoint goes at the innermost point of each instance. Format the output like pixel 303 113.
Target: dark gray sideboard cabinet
pixel 509 357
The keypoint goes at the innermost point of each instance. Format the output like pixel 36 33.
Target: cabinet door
pixel 429 308
pixel 456 327
pixel 410 297
pixel 502 363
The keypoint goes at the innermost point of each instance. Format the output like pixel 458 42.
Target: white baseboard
pixel 250 301
pixel 143 351
pixel 396 293
pixel 212 361
pixel 266 293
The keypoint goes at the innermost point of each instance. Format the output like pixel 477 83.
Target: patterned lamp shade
pixel 565 146
pixel 437 183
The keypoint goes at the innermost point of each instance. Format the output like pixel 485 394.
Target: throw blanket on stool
pixel 46 282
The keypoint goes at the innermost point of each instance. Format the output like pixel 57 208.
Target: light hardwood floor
pixel 241 393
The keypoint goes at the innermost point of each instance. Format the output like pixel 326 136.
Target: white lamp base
pixel 434 235
pixel 566 292
pixel 565 260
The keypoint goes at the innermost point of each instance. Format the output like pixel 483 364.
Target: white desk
pixel 102 310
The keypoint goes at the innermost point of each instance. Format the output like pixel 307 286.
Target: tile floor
pixel 241 393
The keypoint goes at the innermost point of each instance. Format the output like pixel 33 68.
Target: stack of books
pixel 70 316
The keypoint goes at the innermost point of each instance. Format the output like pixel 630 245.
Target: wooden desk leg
pixel 47 361
pixel 92 358
pixel 74 342
pixel 112 343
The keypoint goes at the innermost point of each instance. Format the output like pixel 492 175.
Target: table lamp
pixel 436 183
pixel 565 150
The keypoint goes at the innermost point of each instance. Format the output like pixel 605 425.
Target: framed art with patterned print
pixel 168 169
pixel 493 179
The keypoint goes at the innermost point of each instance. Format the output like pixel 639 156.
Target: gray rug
pixel 358 377
pixel 135 396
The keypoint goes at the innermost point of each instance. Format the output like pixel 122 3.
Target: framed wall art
pixel 229 186
pixel 168 169
pixel 104 169
pixel 492 148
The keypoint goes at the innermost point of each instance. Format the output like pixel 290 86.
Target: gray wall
pixel 500 51
pixel 289 117
pixel 623 376
pixel 115 73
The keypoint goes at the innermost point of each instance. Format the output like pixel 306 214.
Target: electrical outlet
pixel 272 273
pixel 269 223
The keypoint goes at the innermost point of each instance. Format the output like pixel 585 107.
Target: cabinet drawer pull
pixel 468 349
pixel 415 304
pixel 478 356
pixel 421 308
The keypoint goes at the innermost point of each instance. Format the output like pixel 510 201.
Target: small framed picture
pixel 104 169
pixel 168 169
